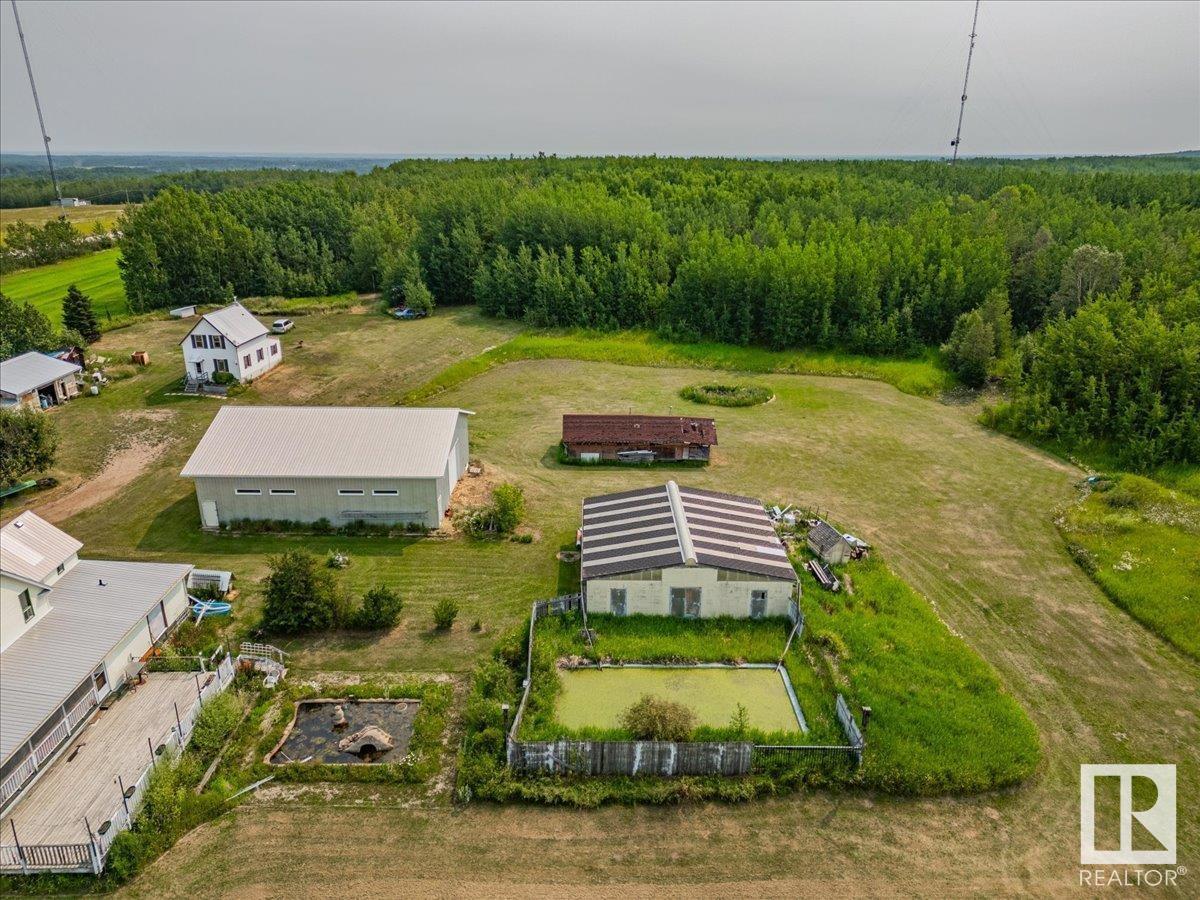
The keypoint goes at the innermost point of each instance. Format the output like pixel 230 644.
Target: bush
pixel 216 721
pixel 727 394
pixel 380 608
pixel 501 516
pixel 445 611
pixel 654 719
pixel 28 443
pixel 223 378
pixel 300 595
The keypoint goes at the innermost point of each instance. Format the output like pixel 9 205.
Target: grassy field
pixel 597 698
pixel 924 377
pixel 1141 543
pixel 95 274
pixel 962 514
pixel 84 218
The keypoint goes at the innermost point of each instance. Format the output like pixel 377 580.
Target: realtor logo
pixel 1158 819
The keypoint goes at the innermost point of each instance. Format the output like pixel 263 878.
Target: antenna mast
pixel 961 106
pixel 37 104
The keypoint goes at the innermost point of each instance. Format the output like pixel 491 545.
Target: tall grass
pixel 1140 542
pixel 922 377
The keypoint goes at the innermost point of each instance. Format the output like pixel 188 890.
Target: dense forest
pixel 1075 287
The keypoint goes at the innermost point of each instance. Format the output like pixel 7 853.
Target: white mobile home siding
pixel 135 644
pixel 421 500
pixel 721 593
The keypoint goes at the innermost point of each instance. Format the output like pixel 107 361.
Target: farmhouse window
pixel 350 492
pixel 274 349
pixel 198 341
pixel 386 493
pixel 26 605
pixel 260 354
pixel 685 603
pixel 758 604
pixel 616 601
pixel 221 365
pixel 249 492
pixel 283 492
pixel 218 341
pixel 246 360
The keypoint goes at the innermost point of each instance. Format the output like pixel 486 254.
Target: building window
pixel 60 568
pixel 261 355
pixel 246 360
pixel 26 605
pixel 386 493
pixel 616 601
pixel 274 349
pixel 220 365
pixel 249 492
pixel 282 492
pixel 198 341
pixel 685 603
pixel 218 342
pixel 350 492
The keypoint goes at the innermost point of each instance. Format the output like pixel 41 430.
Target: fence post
pixel 178 724
pixel 20 849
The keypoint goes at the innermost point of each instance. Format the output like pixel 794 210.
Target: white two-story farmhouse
pixel 230 340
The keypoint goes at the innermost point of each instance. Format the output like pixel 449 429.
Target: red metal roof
pixel 669 431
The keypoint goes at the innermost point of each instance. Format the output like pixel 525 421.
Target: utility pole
pixel 37 104
pixel 966 77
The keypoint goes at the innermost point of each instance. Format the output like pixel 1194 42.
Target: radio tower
pixel 961 106
pixel 37 104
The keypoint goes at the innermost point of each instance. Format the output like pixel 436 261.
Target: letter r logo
pixel 1158 819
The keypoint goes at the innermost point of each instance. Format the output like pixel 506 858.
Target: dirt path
pixel 122 468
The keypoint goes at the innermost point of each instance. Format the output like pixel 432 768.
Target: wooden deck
pixel 83 781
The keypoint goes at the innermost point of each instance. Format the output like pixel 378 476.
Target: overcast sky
pixel 676 78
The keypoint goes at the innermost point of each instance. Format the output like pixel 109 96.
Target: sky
pixel 499 78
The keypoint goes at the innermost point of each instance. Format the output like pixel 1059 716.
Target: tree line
pixel 877 257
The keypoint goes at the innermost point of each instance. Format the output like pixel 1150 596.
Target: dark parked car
pixel 409 313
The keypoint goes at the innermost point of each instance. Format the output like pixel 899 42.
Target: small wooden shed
pixel 829 543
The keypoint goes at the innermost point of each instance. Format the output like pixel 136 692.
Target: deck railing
pixel 46 748
pixel 90 856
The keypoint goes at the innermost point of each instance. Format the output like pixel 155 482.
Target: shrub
pixel 654 719
pixel 216 720
pixel 445 611
pixel 223 378
pixel 380 608
pixel 727 394
pixel 500 516
pixel 337 559
pixel 300 595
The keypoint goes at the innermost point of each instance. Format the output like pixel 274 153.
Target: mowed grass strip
pixel 922 377
pixel 95 274
pixel 598 698
pixel 1140 542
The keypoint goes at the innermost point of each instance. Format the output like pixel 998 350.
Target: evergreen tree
pixel 79 316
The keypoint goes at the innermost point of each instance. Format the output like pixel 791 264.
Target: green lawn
pixel 597 698
pixel 95 274
pixel 922 377
pixel 1140 542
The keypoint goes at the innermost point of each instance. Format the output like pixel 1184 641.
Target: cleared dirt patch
pixel 119 471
